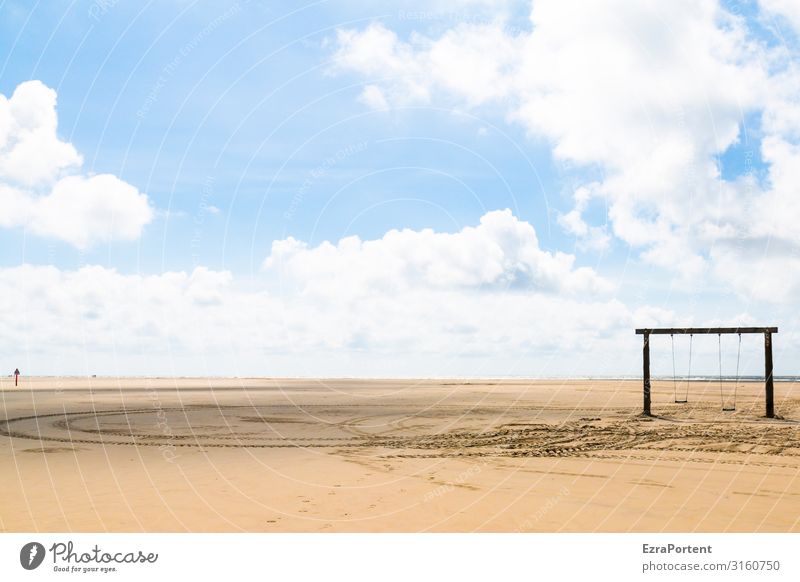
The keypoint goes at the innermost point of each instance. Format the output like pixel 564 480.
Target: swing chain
pixel 675 375
pixel 689 373
pixel 674 379
pixel 732 407
pixel 736 382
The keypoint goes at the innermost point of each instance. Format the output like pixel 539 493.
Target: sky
pixel 383 189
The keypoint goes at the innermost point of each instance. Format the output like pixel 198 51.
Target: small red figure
pixel 16 377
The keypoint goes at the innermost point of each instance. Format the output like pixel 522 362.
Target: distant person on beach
pixel 16 377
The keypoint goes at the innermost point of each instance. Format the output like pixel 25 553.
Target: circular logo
pixel 31 555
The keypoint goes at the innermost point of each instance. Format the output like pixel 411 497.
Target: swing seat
pixel 685 399
pixel 729 407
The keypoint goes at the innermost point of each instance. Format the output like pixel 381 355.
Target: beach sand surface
pixel 289 455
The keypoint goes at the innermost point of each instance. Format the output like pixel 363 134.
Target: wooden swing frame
pixel 769 389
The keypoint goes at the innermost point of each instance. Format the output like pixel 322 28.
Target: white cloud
pixel 648 94
pixel 777 212
pixel 376 52
pixel 96 320
pixel 761 261
pixel 500 253
pixel 590 237
pixel 30 151
pixel 789 9
pixel 469 60
pixel 759 272
pixel 80 210
pixel 373 97
pixel 485 300
pixel 408 303
pixel 39 189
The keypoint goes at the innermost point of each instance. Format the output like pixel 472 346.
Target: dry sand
pixel 202 455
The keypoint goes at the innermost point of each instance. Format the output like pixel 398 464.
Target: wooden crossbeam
pixel 704 330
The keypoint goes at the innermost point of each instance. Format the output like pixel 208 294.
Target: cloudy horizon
pixel 354 190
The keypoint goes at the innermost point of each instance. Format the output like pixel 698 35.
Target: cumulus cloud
pixel 502 252
pixel 485 300
pixel 41 188
pixel 30 151
pixel 97 320
pixel 96 310
pixel 408 303
pixel 651 97
pixel 470 60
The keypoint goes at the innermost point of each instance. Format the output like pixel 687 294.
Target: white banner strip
pixel 406 557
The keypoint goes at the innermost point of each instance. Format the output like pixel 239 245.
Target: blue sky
pixel 252 106
pixel 252 123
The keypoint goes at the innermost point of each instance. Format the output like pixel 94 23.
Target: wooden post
pixel 768 381
pixel 646 373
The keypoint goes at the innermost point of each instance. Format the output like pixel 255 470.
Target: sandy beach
pixel 262 455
